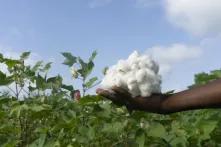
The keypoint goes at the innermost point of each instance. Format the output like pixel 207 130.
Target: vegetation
pixel 37 111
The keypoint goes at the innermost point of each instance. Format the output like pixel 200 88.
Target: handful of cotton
pixel 138 75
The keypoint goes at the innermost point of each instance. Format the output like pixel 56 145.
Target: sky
pixel 183 36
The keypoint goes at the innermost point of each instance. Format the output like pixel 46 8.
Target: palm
pixel 121 97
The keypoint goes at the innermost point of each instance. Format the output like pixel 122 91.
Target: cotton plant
pixel 81 69
pixel 139 74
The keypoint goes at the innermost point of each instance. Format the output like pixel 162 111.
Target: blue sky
pixel 183 36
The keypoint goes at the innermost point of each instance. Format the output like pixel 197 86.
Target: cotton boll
pixel 155 67
pixel 119 81
pixel 131 80
pixel 150 75
pixel 133 86
pixel 142 65
pixel 135 67
pixel 133 57
pixel 144 59
pixel 134 89
pixel 106 83
pixel 123 66
pixel 145 90
pixel 138 74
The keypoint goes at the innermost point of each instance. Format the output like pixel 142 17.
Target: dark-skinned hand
pixel 199 97
pixel 122 97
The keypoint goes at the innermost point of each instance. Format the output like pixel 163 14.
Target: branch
pixel 11 90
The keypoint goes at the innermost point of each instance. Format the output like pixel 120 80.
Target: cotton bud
pixel 74 73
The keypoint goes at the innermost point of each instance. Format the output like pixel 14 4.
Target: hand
pixel 121 97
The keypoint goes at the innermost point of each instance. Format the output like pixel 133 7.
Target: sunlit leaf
pixel 11 62
pixel 37 66
pixel 94 54
pixel 47 67
pixel 69 59
pixel 157 130
pixel 105 70
pixel 141 140
pixel 90 83
pixel 68 87
pixel 4 80
pixel 25 55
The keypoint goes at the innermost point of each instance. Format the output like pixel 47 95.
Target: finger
pixel 122 92
pixel 111 95
pixel 105 93
pixel 129 101
pixel 124 95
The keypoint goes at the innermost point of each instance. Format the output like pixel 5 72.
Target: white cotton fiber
pixel 138 74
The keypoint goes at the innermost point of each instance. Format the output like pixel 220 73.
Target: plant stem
pixel 17 92
pixel 84 88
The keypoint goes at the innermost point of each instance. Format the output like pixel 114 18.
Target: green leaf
pixel 4 80
pixel 47 67
pixel 179 141
pixel 90 83
pixel 141 140
pixel 29 73
pixel 37 66
pixel 94 54
pixel 89 99
pixel 82 63
pixel 11 63
pixel 1 57
pixel 70 59
pixel 169 92
pixel 216 73
pixel 39 142
pixel 105 70
pixel 25 55
pixel 86 68
pixel 17 110
pixel 55 82
pixel 41 82
pixel 157 130
pixel 67 87
pixel 90 67
pixel 207 128
pixel 39 108
pixel 91 133
pixel 203 78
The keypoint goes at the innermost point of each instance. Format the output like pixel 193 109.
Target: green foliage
pixel 25 55
pixel 105 70
pixel 70 59
pixel 203 78
pixel 48 117
pixel 4 80
pixel 84 70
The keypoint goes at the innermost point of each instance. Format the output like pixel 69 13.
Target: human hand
pixel 121 97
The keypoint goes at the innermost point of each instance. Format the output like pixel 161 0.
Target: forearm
pixel 206 96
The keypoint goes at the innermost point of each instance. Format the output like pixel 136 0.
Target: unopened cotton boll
pixel 138 74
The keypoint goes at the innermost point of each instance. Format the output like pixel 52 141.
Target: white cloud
pixel 169 56
pixel 200 17
pixel 99 3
